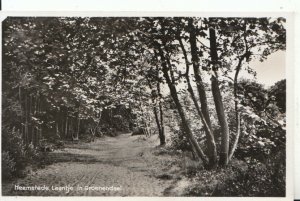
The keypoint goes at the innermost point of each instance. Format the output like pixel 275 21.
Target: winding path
pixel 110 166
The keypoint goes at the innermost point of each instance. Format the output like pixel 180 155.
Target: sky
pixel 269 71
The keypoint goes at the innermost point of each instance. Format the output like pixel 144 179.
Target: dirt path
pixel 119 166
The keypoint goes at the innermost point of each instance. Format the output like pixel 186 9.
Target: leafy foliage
pixel 17 155
pixel 8 166
pixel 68 78
pixel 278 93
pixel 261 179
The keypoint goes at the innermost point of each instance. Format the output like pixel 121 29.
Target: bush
pixel 213 182
pixel 13 144
pixel 179 140
pixel 8 166
pixel 20 154
pixel 242 179
pixel 138 131
pixel 32 153
pixel 261 179
pixel 259 140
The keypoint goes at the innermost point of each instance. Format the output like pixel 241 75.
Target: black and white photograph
pixel 144 106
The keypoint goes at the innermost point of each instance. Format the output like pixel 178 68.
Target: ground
pixel 128 163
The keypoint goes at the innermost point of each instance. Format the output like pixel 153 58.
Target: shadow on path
pixel 125 162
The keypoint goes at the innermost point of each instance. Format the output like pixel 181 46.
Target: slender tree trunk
pixel 236 139
pixel 159 121
pixel 211 145
pixel 155 112
pixel 246 55
pixel 185 124
pixel 34 99
pixel 66 126
pixel 30 119
pixel 26 119
pixel 33 125
pixel 78 125
pixel 162 124
pixel 22 115
pixel 38 125
pixel 237 114
pixel 218 101
pixel 99 123
pixel 40 112
pixel 35 105
pixel 171 68
pixel 71 127
pixel 56 129
pixel 149 119
pixel 146 129
pixel 78 128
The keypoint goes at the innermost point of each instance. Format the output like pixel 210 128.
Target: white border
pixel 149 5
pixel 291 72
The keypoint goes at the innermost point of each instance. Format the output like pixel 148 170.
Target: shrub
pixel 20 154
pixel 13 144
pixel 179 140
pixel 261 179
pixel 138 131
pixel 213 182
pixel 8 166
pixel 32 153
pixel 242 179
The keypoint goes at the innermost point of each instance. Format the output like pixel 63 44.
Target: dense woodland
pixel 76 79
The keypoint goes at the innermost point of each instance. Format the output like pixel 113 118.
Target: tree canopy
pixel 58 72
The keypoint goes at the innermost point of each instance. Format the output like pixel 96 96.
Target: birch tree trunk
pixel 218 101
pixel 185 124
pixel 211 145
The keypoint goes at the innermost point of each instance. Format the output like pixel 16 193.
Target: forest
pixel 175 80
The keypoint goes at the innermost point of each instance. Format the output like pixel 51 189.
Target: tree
pixel 278 90
pixel 65 72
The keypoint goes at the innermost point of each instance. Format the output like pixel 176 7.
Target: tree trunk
pixel 236 139
pixel 39 126
pixel 40 111
pixel 21 116
pixel 26 119
pixel 246 55
pixel 237 114
pixel 98 124
pixel 33 125
pixel 146 129
pixel 30 119
pixel 158 125
pixel 71 127
pixel 62 127
pixel 158 120
pixel 162 125
pixel 181 112
pixel 78 129
pixel 66 126
pixel 56 129
pixel 218 101
pixel 222 120
pixel 211 145
pixel 78 125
